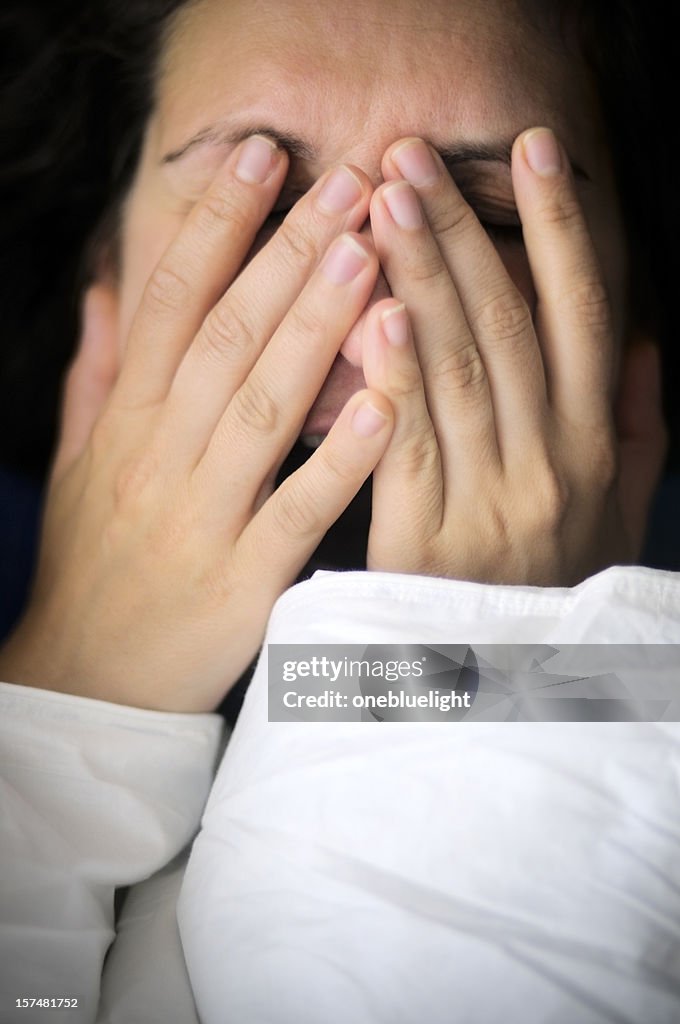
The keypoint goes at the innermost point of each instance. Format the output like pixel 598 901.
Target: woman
pixel 492 378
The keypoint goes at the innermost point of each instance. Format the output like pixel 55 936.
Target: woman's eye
pixel 497 215
pixel 506 233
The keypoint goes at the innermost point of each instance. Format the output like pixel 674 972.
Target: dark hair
pixel 76 93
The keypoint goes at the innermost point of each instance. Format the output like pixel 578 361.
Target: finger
pixel 499 318
pixel 269 409
pixel 236 331
pixel 197 267
pixel 642 436
pixel 572 312
pixel 91 376
pixel 407 482
pixel 291 524
pixel 454 373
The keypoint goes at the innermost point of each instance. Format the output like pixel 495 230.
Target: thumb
pixel 90 377
pixel 642 435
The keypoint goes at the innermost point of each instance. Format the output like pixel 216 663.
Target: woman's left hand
pixel 504 465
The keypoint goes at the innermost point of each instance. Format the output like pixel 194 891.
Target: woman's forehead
pixel 329 71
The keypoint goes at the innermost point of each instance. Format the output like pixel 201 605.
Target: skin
pixel 487 416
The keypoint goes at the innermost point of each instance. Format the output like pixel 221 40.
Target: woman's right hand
pixel 164 544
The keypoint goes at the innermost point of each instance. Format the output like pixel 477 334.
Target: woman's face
pixel 347 80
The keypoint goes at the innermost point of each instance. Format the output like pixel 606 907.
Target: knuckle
pixel 336 465
pixel 498 527
pixel 419 457
pixel 167 291
pixel 428 267
pixel 220 207
pixel 504 318
pixel 305 322
pixel 555 498
pixel 405 385
pixel 589 301
pixel 109 437
pixel 461 369
pixel 255 409
pixel 562 210
pixel 226 334
pixel 453 217
pixel 549 500
pixel 295 510
pixel 299 245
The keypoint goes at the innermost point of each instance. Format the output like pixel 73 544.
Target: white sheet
pixel 93 797
pixel 402 873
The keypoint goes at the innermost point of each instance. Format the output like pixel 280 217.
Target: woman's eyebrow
pixel 219 135
pixel 453 155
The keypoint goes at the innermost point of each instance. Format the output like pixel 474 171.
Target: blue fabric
pixel 20 504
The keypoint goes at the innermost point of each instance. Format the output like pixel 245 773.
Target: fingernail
pixel 340 192
pixel 395 325
pixel 402 202
pixel 542 152
pixel 367 421
pixel 416 162
pixel 344 260
pixel 257 160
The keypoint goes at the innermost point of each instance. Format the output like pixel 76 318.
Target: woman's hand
pixel 504 465
pixel 163 546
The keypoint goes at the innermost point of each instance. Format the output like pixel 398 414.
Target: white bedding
pixel 401 873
